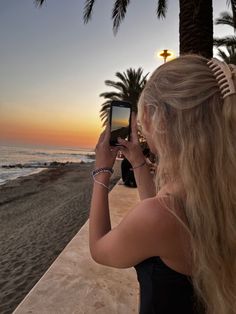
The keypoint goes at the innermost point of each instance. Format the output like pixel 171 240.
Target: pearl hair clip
pixel 224 76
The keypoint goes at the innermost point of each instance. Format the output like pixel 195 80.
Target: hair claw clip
pixel 223 75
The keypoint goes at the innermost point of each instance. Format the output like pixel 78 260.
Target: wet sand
pixel 39 215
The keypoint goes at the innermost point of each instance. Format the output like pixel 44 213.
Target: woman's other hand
pixel 132 149
pixel 105 154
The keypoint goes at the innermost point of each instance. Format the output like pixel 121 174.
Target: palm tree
pixel 225 19
pixel 128 88
pixel 195 25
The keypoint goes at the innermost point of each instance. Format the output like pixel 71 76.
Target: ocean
pixel 17 161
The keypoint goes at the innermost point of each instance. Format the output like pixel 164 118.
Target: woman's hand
pixel 132 149
pixel 105 154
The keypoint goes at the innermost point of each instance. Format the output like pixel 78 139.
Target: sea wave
pixel 18 161
pixel 79 154
pixel 14 173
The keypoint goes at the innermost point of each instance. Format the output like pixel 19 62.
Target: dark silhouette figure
pixel 127 174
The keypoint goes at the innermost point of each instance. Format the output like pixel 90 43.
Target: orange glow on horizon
pixel 63 134
pixel 41 126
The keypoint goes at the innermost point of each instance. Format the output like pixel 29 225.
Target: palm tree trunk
pixel 196 27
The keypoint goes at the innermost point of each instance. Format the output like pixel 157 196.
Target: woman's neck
pixel 175 188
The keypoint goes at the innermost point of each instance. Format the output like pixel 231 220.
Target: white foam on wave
pixel 26 160
pixel 12 174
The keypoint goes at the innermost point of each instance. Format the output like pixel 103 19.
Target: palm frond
pixel 225 18
pixel 88 8
pixel 118 85
pixel 144 80
pixel 104 112
pixel 104 116
pixel 225 41
pixel 122 76
pixel 105 106
pixel 228 55
pixel 223 55
pixel 118 13
pixel 111 95
pixel 161 8
pixel 39 2
pixel 233 6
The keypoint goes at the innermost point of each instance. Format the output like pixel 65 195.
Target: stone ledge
pixel 75 284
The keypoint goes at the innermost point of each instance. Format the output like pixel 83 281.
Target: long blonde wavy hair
pixel 194 132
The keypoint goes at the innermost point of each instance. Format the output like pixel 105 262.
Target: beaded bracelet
pixel 105 186
pixel 100 170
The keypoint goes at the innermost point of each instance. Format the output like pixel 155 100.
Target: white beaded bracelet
pixel 100 170
pixel 105 186
pixel 104 169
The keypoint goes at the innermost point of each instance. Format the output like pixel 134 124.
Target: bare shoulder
pixel 149 216
pixel 161 213
pixel 160 210
pixel 167 222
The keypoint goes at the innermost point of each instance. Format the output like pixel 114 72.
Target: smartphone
pixel 120 121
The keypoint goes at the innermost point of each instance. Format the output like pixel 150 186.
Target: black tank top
pixel 163 290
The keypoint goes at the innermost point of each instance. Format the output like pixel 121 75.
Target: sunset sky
pixel 53 67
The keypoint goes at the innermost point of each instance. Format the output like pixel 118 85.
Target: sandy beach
pixel 39 215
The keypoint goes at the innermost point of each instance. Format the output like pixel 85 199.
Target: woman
pixel 181 237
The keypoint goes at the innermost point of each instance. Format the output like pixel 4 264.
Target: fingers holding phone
pixel 105 154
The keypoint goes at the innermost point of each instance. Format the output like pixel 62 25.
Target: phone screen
pixel 120 123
